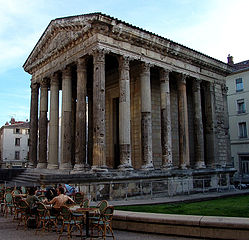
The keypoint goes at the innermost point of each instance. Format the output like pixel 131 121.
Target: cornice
pixel 83 27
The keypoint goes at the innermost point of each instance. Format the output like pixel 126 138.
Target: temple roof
pixel 61 32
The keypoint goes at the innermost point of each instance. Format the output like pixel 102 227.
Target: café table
pixel 86 211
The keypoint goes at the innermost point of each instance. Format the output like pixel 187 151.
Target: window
pixel 241 106
pixel 17 142
pixel 17 155
pixel 18 130
pixel 244 164
pixel 239 85
pixel 242 130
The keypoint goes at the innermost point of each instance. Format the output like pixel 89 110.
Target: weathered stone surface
pixel 80 145
pixel 33 124
pixel 43 124
pixel 142 113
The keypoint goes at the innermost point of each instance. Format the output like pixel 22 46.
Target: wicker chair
pixel 103 224
pixel 44 219
pixel 70 222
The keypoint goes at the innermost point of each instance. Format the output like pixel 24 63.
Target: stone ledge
pixel 183 225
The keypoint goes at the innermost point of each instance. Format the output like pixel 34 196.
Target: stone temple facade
pixel 130 100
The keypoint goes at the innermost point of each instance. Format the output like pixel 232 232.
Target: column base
pixel 99 169
pixel 200 165
pixel 52 166
pixel 125 167
pixel 167 167
pixel 183 166
pixel 31 165
pixel 80 167
pixel 147 167
pixel 65 166
pixel 42 165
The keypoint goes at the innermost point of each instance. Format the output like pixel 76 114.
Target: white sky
pixel 214 27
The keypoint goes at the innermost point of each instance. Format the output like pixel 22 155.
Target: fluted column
pixel 124 114
pixel 66 128
pixel 43 124
pixel 228 162
pixel 198 125
pixel 33 125
pixel 166 139
pixel 99 156
pixel 54 123
pixel 146 123
pixel 210 126
pixel 80 136
pixel 184 161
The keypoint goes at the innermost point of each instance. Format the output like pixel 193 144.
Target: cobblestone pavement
pixel 8 232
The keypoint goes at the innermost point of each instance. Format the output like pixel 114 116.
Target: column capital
pixel 196 85
pixel 44 83
pixel 164 74
pixel 67 71
pixel 34 86
pixel 99 54
pixel 124 63
pixel 81 64
pixel 146 66
pixel 224 89
pixel 54 79
pixel 181 77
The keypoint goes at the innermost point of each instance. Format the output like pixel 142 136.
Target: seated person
pixel 32 199
pixel 59 201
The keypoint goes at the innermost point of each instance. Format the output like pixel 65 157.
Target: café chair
pixel 23 190
pixel 85 203
pixel 2 200
pixel 78 197
pixel 16 192
pixel 25 213
pixel 17 210
pixel 8 203
pixel 103 224
pixel 44 219
pixel 70 222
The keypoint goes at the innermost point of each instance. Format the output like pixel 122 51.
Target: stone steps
pixel 26 178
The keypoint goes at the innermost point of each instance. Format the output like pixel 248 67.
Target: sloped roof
pixel 79 22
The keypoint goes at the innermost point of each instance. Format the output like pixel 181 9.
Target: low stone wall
pixel 183 225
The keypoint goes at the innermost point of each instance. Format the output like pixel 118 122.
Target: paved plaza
pixel 8 232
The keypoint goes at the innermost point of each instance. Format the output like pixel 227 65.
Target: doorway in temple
pixel 116 149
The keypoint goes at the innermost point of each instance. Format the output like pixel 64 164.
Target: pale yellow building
pixel 238 108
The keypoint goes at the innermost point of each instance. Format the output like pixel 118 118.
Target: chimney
pixel 230 60
pixel 12 120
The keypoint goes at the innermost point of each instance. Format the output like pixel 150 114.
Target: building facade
pixel 14 144
pixel 152 103
pixel 238 108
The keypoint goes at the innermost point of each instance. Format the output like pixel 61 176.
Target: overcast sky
pixel 214 27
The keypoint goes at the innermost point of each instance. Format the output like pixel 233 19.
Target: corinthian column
pixel 99 157
pixel 66 128
pixel 183 122
pixel 54 123
pixel 124 114
pixel 166 139
pixel 210 126
pixel 228 162
pixel 33 125
pixel 43 124
pixel 146 124
pixel 80 140
pixel 198 126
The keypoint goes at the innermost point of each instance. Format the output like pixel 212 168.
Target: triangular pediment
pixel 56 43
pixel 59 34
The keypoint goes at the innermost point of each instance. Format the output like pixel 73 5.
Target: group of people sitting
pixel 57 198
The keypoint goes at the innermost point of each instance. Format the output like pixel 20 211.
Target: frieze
pixel 64 34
